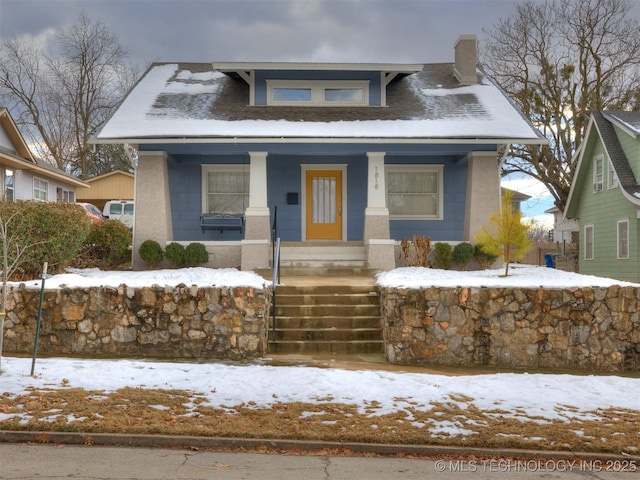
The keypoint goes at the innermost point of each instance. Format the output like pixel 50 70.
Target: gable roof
pixel 21 152
pixel 194 100
pixel 628 121
pixel 615 152
pixel 23 159
pixel 602 123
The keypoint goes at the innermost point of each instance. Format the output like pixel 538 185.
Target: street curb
pixel 298 446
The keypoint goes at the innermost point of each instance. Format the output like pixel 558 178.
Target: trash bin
pixel 550 260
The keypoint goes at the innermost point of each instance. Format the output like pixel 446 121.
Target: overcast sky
pixel 419 31
pixel 402 31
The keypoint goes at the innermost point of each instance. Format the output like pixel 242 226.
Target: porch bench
pixel 221 221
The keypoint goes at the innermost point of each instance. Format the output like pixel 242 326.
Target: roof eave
pixel 445 140
pixel 51 174
pixel 620 124
pixel 253 66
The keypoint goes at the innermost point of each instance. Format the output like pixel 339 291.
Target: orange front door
pixel 324 204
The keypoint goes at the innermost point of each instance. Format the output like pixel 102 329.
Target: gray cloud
pixel 268 30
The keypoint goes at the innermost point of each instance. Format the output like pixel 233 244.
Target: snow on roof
pixel 181 100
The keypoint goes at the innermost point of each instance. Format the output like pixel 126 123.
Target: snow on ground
pixel 545 395
pixel 525 276
pixel 535 395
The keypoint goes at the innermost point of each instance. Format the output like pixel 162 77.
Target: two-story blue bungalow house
pixel 352 157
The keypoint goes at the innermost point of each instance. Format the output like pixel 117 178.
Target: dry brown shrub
pixel 416 251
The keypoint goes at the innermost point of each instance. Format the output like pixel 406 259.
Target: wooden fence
pixel 564 255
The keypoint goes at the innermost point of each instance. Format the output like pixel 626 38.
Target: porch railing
pixel 275 242
pixel 276 280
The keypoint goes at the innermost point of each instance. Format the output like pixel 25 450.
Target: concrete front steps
pixel 341 319
pixel 323 254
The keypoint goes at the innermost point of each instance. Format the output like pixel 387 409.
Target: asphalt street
pixel 21 461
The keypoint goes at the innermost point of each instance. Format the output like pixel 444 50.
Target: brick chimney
pixel 466 60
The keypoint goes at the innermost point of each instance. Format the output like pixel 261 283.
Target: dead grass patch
pixel 458 422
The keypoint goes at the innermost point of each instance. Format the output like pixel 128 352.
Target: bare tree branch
pixel 66 93
pixel 559 61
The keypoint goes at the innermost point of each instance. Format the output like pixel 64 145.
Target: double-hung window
pixel 8 178
pixel 588 242
pixel 612 178
pixel 623 239
pixel 225 188
pixel 40 190
pixel 414 191
pixel 63 195
pixel 598 173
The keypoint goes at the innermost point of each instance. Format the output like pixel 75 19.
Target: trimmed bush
pixel 484 259
pixel 175 254
pixel 195 254
pixel 151 253
pixel 463 254
pixel 443 256
pixel 51 232
pixel 108 243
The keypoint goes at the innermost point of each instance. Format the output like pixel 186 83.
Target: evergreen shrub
pixel 151 253
pixel 463 254
pixel 195 254
pixel 175 253
pixel 51 232
pixel 443 255
pixel 109 243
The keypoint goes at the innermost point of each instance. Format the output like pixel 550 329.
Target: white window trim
pixel 598 183
pixel 419 168
pixel 6 188
pixel 317 88
pixel 593 242
pixel 65 196
pixel 46 191
pixel 611 176
pixel 217 167
pixel 619 256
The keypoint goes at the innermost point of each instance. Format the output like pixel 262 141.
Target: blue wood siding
pixel 284 176
pixel 185 187
pixel 450 228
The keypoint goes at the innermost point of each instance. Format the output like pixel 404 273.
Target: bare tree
pixel 62 96
pixel 16 247
pixel 559 61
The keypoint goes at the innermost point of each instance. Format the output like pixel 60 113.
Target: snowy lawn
pixel 255 399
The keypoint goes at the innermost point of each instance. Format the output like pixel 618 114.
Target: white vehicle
pixel 121 210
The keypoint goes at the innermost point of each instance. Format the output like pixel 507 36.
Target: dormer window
pixel 317 93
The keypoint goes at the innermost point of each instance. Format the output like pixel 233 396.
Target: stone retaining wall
pixel 166 322
pixel 585 328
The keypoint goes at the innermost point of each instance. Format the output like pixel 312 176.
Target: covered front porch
pixel 329 210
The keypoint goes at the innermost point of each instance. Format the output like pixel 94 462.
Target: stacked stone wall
pixel 163 322
pixel 585 328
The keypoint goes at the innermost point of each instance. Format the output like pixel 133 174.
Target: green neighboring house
pixel 604 200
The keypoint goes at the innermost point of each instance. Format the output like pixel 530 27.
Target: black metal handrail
pixel 274 235
pixel 275 245
pixel 276 280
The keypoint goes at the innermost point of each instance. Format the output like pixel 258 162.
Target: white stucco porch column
pixel 257 233
pixel 483 192
pixel 153 207
pixel 379 247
